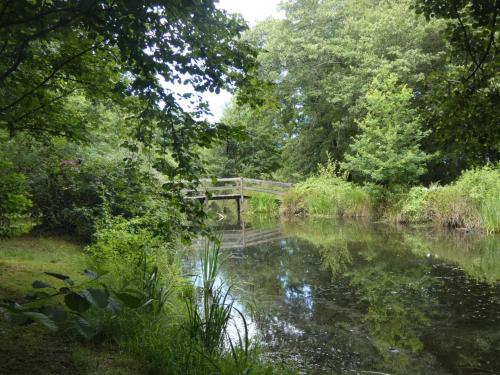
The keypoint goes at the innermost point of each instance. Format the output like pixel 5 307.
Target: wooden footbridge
pixel 237 188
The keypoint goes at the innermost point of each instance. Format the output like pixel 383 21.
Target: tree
pixel 256 153
pixel 117 49
pixel 14 199
pixel 387 151
pixel 321 59
pixel 461 102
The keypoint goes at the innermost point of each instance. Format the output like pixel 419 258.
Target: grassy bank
pixel 32 349
pixel 471 203
pixel 166 327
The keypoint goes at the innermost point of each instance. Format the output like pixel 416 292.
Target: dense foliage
pixel 387 151
pixel 14 200
pixel 358 100
pixel 471 203
pixel 319 63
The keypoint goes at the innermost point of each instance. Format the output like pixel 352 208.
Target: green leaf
pixel 97 297
pixel 37 295
pixel 76 302
pixel 114 305
pixel 132 300
pixel 42 319
pixel 84 328
pixel 57 275
pixel 38 284
pixel 90 274
pixel 64 290
pixel 55 313
pixel 13 315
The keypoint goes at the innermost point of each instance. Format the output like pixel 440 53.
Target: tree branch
pixel 63 22
pixel 466 35
pixel 46 79
pixel 42 106
pixel 490 42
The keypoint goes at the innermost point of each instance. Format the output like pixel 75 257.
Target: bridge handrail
pixel 240 185
pixel 268 182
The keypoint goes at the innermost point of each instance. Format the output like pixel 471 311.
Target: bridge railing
pixel 236 186
pixel 252 185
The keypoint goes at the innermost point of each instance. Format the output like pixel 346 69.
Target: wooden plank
pixel 221 188
pixel 268 191
pixel 215 197
pixel 266 182
pixel 223 179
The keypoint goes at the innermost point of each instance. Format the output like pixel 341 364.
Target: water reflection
pixel 354 297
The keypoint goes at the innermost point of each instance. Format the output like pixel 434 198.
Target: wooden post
pixel 242 196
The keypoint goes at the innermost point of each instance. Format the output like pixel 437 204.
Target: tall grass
pixel 471 203
pixel 192 328
pixel 210 312
pixel 328 196
pixel 262 203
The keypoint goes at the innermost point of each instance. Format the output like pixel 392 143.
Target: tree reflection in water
pixel 337 297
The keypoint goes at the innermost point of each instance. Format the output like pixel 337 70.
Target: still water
pixel 358 298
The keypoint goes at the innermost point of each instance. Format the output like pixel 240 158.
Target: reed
pixel 328 196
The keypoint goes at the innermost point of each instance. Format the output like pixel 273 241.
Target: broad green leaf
pixel 90 274
pixel 37 295
pixel 130 299
pixel 114 305
pixel 42 319
pixel 84 328
pixel 76 302
pixel 55 313
pixel 57 275
pixel 97 297
pixel 38 284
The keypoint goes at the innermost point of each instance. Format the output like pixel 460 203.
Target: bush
pixel 71 196
pixel 472 202
pixel 412 207
pixel 190 334
pixel 14 199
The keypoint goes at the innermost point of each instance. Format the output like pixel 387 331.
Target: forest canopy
pixel 320 60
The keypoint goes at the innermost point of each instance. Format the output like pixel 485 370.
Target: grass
pixel 186 333
pixel 471 203
pixel 192 333
pixel 262 203
pixel 24 259
pixel 32 349
pixel 328 196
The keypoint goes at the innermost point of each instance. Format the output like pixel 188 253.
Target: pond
pixel 358 298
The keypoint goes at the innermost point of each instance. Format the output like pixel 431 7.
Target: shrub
pixel 190 334
pixel 70 196
pixel 472 202
pixel 14 200
pixel 413 206
pixel 293 203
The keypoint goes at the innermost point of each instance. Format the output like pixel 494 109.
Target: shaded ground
pixel 32 349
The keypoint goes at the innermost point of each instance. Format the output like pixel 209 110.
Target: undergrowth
pixel 328 196
pixel 471 203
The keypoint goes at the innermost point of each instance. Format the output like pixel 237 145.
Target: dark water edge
pixel 361 298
